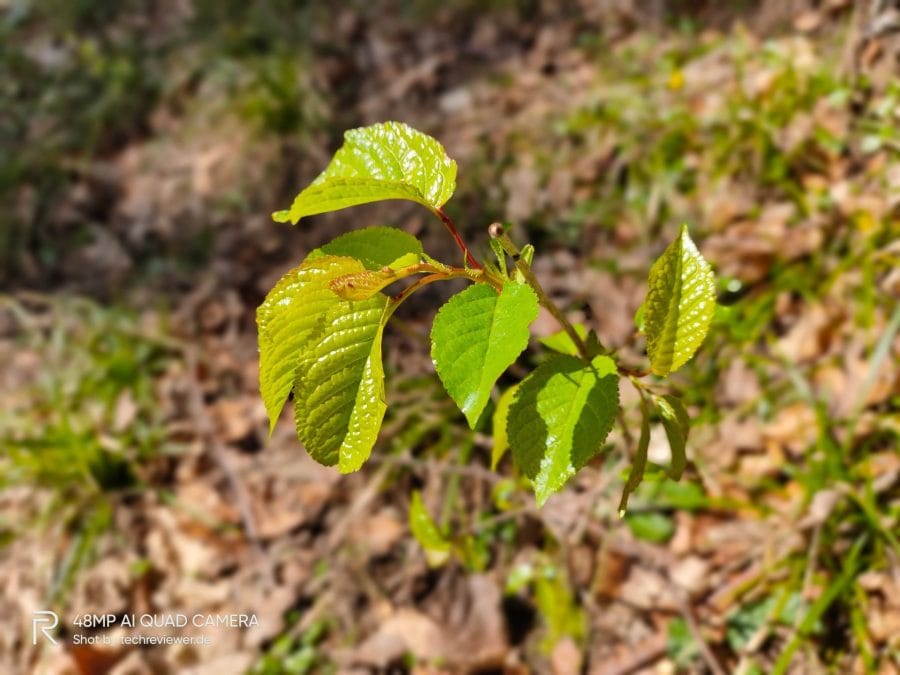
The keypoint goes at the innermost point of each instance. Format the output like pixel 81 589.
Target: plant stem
pixel 451 228
pixel 496 232
pixel 441 273
pixel 632 371
pixel 419 283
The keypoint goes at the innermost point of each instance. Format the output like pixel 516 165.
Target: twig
pixel 496 232
pixel 684 608
pixel 413 287
pixel 440 273
pixel 644 654
pixel 451 228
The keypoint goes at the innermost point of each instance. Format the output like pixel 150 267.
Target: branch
pixel 496 232
pixel 441 273
pixel 451 228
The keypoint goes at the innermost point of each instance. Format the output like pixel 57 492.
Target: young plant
pixel 321 326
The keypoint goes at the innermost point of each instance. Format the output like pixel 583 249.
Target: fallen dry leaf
pixel 566 659
pixel 408 631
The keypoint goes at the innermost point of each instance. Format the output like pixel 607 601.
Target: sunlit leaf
pixel 374 247
pixel 383 161
pixel 677 424
pixel 639 464
pixel 289 319
pixel 558 608
pixel 681 299
pixel 339 400
pixel 560 418
pixel 436 546
pixel 561 342
pixel 477 335
pixel 501 413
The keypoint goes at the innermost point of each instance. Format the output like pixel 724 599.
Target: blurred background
pixel 143 145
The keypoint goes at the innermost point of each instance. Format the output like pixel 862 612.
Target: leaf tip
pixel 346 467
pixel 660 370
pixel 473 415
pixel 544 489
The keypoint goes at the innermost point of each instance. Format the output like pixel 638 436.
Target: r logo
pixel 45 621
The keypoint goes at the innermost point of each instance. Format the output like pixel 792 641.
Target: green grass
pixel 61 433
pixel 84 420
pixel 292 654
pixel 668 157
pixel 79 81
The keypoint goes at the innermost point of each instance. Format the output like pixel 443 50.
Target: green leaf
pixel 681 299
pixel 289 319
pixel 526 255
pixel 436 546
pixel 374 247
pixel 476 335
pixel 406 260
pixel 520 576
pixel 559 609
pixel 850 564
pixel 655 527
pixel 339 389
pixel 677 424
pixel 384 161
pixel 500 255
pixel 636 475
pixel 473 552
pixel 562 343
pixel 501 413
pixel 682 496
pixel 680 645
pixel 560 417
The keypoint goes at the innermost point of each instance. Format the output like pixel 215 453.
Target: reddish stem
pixel 412 288
pixel 633 371
pixel 448 223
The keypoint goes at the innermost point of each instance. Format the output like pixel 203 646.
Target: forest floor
pixel 146 151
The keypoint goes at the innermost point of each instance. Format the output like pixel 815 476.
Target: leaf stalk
pixel 497 233
pixel 442 273
pixel 457 237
